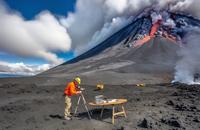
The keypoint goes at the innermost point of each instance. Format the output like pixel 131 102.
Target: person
pixel 71 89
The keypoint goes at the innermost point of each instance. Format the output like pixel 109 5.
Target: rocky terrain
pixel 36 104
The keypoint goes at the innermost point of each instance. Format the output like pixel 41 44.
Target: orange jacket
pixel 70 89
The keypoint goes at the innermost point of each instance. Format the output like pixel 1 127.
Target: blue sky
pixel 29 10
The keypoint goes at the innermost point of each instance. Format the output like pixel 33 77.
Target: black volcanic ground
pixel 37 102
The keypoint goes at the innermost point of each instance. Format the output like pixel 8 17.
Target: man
pixel 71 89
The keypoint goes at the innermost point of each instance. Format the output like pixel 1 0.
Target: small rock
pixel 64 123
pixel 144 124
pixel 138 99
pixel 196 120
pixel 122 128
pixel 172 122
pixel 175 94
pixel 56 116
pixel 193 108
pixel 170 103
pixel 193 101
pixel 181 107
pixel 189 116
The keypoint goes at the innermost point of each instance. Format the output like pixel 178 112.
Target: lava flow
pixel 156 30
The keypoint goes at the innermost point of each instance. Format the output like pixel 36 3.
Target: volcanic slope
pixel 153 62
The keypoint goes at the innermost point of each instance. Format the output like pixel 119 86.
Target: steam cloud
pixel 189 63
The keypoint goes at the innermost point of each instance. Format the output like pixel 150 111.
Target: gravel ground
pixel 34 103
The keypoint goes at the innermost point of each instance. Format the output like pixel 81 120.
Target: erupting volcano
pixel 150 62
pixel 145 50
pixel 171 26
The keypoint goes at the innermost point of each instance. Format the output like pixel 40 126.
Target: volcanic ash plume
pixel 105 17
pixel 189 64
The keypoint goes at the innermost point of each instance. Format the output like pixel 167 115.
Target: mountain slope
pixel 151 63
pixel 118 61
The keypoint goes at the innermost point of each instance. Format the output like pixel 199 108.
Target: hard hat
pixel 78 80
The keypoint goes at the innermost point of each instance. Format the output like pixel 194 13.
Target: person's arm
pixel 73 90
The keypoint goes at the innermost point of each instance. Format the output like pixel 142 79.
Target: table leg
pixel 113 115
pixel 124 111
pixel 102 112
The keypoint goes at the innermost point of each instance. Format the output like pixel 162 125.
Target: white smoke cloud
pixel 189 62
pixel 155 17
pixel 21 68
pixel 115 8
pixel 191 7
pixel 93 16
pixel 40 37
pixel 107 30
pixel 97 19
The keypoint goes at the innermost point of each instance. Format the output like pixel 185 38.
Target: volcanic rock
pixel 144 123
pixel 196 120
pixel 172 122
pixel 170 102
pixel 175 94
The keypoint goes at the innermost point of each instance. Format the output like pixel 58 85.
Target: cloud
pixel 92 17
pixel 22 69
pixel 41 37
pixel 190 6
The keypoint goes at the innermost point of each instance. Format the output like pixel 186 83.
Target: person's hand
pixel 79 92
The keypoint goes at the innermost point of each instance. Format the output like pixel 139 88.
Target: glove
pixel 79 92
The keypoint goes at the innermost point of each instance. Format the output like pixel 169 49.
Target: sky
pixel 30 8
pixel 15 63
